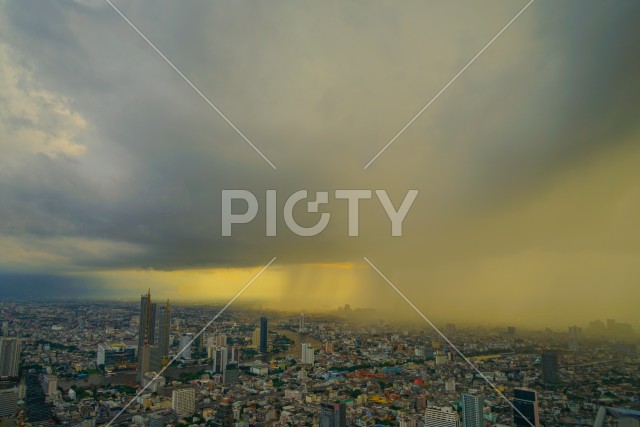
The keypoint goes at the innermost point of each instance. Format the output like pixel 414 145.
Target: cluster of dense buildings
pixel 82 364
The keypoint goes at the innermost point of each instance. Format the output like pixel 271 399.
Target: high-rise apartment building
pixel 307 354
pixel 183 401
pixel 472 410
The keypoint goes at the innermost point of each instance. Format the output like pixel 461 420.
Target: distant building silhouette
pixel 575 334
pixel 550 362
pixel 264 335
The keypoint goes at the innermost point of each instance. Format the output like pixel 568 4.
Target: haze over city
pixel 528 210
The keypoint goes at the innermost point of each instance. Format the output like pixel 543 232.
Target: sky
pixel 528 211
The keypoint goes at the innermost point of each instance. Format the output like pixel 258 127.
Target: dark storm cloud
pixel 320 88
pixel 36 286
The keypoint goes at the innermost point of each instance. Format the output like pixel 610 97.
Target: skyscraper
pixel 301 323
pixel 472 411
pixel 550 367
pixel 263 334
pixel 147 326
pixel 10 349
pixel 526 401
pixel 148 353
pixel 333 415
pixel 164 331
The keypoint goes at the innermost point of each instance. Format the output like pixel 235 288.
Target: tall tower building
pixel 526 401
pixel 10 349
pixel 148 354
pixel 333 415
pixel 301 328
pixel 550 367
pixel 264 334
pixel 164 331
pixel 147 326
pixel 472 411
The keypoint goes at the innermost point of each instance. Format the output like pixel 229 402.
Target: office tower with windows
pixel 333 415
pixel 526 402
pixel 301 326
pixel 472 410
pixel 264 335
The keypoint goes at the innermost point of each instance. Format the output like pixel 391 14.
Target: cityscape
pixel 153 364
pixel 319 213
